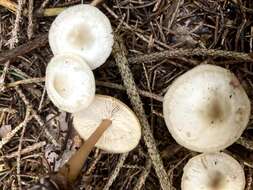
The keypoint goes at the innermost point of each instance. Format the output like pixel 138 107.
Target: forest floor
pixel 186 33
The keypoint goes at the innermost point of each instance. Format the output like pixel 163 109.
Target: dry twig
pixel 19 157
pixel 92 167
pixel 119 53
pixel 13 7
pixel 30 20
pixel 24 48
pixel 154 57
pixel 36 116
pixel 14 35
pixel 120 87
pixel 25 81
pixel 142 179
pixel 249 180
pixel 245 142
pixel 26 150
pixel 116 171
pixel 11 134
pixel 2 78
pixel 42 12
pixel 8 110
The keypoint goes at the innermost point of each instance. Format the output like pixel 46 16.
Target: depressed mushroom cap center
pixel 215 109
pixel 217 181
pixel 80 37
pixel 63 85
pixel 70 82
pixel 213 171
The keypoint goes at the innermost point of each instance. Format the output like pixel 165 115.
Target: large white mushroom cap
pixel 83 30
pixel 206 109
pixel 70 83
pixel 213 171
pixel 123 134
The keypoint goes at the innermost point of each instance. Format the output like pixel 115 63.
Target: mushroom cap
pixel 206 109
pixel 70 83
pixel 83 30
pixel 124 133
pixel 213 171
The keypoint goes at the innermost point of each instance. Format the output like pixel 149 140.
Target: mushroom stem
pixel 73 167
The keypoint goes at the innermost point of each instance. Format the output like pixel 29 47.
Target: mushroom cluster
pixel 206 110
pixel 108 124
pixel 81 40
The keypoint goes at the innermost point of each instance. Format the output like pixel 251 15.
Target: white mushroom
pixel 206 109
pixel 70 83
pixel 124 133
pixel 83 30
pixel 213 171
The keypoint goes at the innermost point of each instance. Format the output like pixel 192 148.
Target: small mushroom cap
pixel 70 83
pixel 124 133
pixel 206 109
pixel 213 171
pixel 83 30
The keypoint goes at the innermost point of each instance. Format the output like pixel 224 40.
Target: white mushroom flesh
pixel 213 171
pixel 206 109
pixel 123 134
pixel 70 83
pixel 83 30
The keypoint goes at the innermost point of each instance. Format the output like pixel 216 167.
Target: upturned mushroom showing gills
pixel 206 109
pixel 70 83
pixel 213 171
pixel 124 133
pixel 83 30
